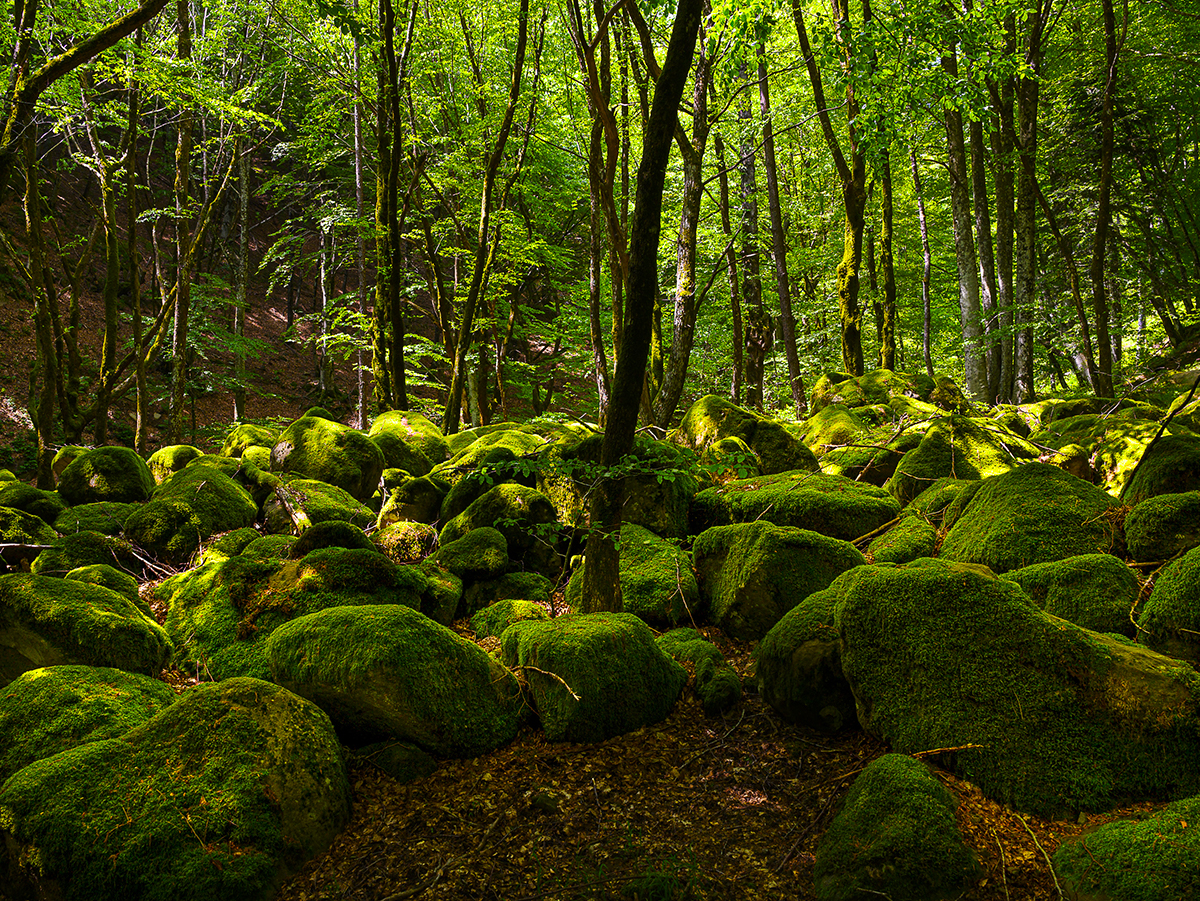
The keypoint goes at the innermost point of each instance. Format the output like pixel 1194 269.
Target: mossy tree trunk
pixel 602 587
pixel 735 300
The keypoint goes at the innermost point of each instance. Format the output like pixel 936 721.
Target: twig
pixel 553 676
pixel 1153 441
pixel 1003 863
pixel 883 528
pixel 1044 854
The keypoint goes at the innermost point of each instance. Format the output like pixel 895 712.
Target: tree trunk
pixel 887 350
pixel 987 262
pixel 755 326
pixel 183 286
pixel 1104 367
pixel 243 280
pixel 42 409
pixel 602 585
pixel 927 268
pixel 735 300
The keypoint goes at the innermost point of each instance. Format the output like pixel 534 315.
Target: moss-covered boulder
pixel 415 500
pixel 300 503
pixel 387 672
pixel 884 387
pixel 45 711
pixel 657 581
pixel 712 418
pixel 751 574
pixel 832 505
pixel 525 586
pixel 166 461
pixel 896 837
pixel 1162 526
pixel 911 538
pixel 406 542
pixel 317 448
pixel 798 665
pixel 874 457
pixel 523 515
pixel 222 612
pixel 1034 514
pixel 1096 591
pixel 111 578
pixel 944 655
pixel 331 533
pixel 491 621
pixel 189 507
pixel 835 425
pixel 227 544
pixel 69 552
pixel 717 684
pixel 19 527
pixel 221 795
pixel 593 676
pixel 730 458
pixel 959 447
pixel 1103 448
pixel 47 505
pixel 417 433
pixel 265 547
pixel 1151 859
pixel 46 621
pixel 106 474
pixel 480 554
pixel 107 517
pixel 245 435
pixel 63 457
pixel 1170 621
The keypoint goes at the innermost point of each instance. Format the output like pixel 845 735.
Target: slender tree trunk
pixel 135 280
pixel 243 280
pixel 735 300
pixel 927 267
pixel 779 245
pixel 887 350
pixel 756 326
pixel 987 262
pixel 1104 367
pixel 1064 247
pixel 42 409
pixel 183 286
pixel 601 584
pixel 360 255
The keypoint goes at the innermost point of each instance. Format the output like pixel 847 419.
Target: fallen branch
pixel 1044 854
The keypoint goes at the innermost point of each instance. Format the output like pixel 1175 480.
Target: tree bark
pixel 756 328
pixel 735 300
pixel 183 286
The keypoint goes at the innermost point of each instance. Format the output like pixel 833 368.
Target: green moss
pixel 228 544
pixel 113 579
pixel 46 621
pixel 1171 466
pixel 935 501
pixel 833 426
pixel 943 655
pixel 959 447
pixel 730 458
pixel 1162 526
pixel 912 537
pixel 717 683
pixel 799 667
pixel 309 501
pixel 1096 591
pixel 268 547
pixel 245 435
pixel 616 678
pixel 1034 514
pixel 83 549
pixel 406 542
pixel 442 599
pixel 480 554
pixel 107 517
pixel 192 505
pixel 46 505
pixel 875 458
pixel 166 461
pixel 19 527
pixel 712 418
pixel 415 431
pixel 524 586
pixel 832 505
pixel 387 672
pixel 64 456
pixel 754 573
pixel 220 795
pixel 416 500
pixel 327 451
pixel 1155 859
pixel 896 836
pixel 1171 618
pixel 495 618
pixel 331 533
pixel 45 711
pixel 106 474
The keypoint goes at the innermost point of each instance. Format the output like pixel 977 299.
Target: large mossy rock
pixel 45 711
pixel 221 613
pixel 943 655
pixel 1162 526
pixel 222 795
pixel 388 673
pixel 1170 621
pixel 414 500
pixel 1153 859
pixel 718 685
pixel 1103 447
pixel 712 418
pixel 593 676
pixel 657 581
pixel 19 527
pixel 111 578
pixel 166 461
pixel 480 555
pixel 71 551
pixel 895 837
pixel 187 509
pixel 47 505
pixel 492 620
pixel 1034 514
pixel 1096 591
pixel 301 503
pixel 245 435
pixel 523 515
pixel 106 474
pixel 911 538
pixel 799 667
pixel 905 393
pixel 959 447
pixel 46 621
pixel 316 448
pixel 753 573
pixel 832 505
pixel 107 517
pixel 409 441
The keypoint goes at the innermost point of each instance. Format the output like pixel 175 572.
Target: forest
pixel 440 201
pixel 648 450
